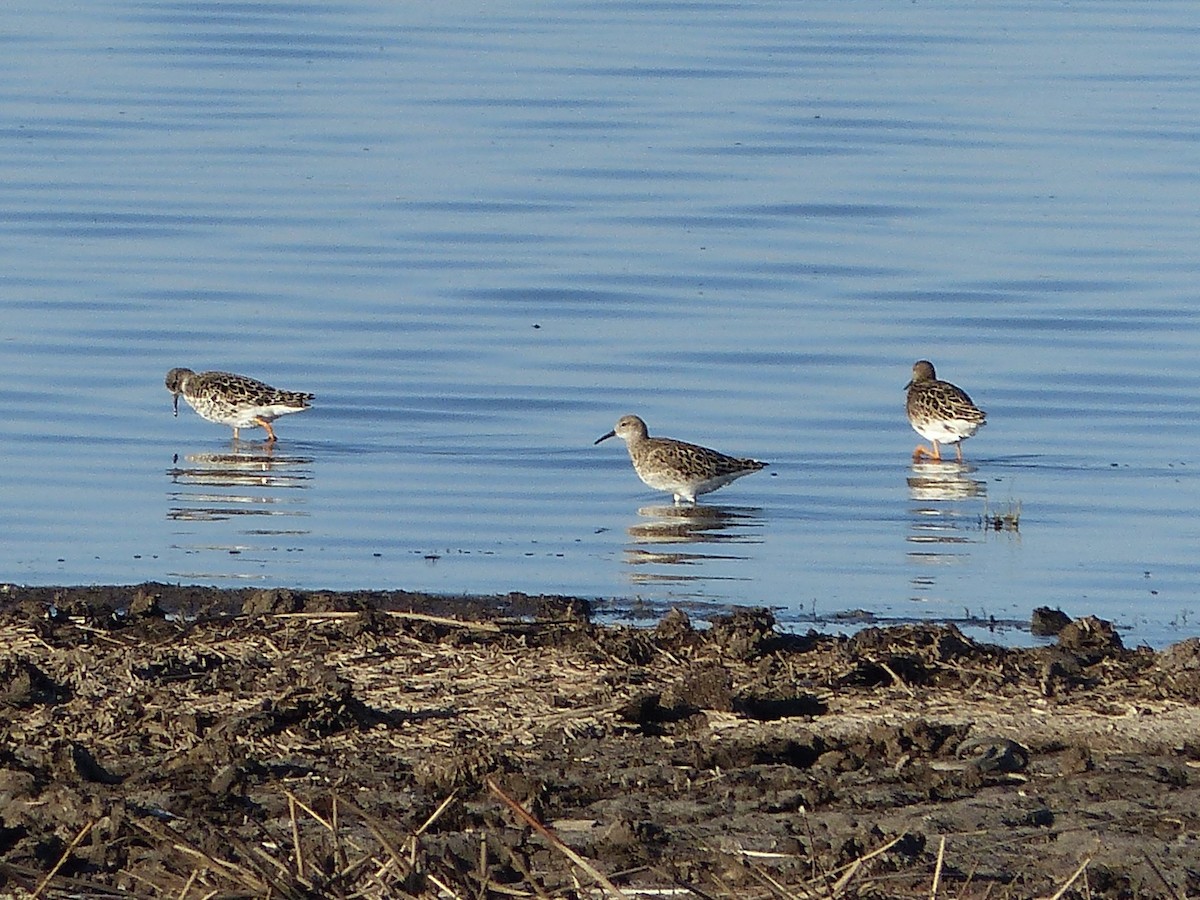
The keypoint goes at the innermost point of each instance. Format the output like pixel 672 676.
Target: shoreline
pixel 270 742
pixel 192 600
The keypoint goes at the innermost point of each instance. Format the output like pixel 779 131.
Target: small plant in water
pixel 1008 519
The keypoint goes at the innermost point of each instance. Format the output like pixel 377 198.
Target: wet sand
pixel 279 743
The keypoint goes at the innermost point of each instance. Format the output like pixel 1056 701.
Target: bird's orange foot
pixel 922 452
pixel 270 431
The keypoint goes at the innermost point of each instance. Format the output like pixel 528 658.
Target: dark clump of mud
pixel 302 744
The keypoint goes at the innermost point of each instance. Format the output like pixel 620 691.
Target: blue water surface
pixel 480 232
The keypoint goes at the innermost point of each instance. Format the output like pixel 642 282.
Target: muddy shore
pixel 273 743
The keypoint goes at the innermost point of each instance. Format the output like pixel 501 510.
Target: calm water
pixel 480 232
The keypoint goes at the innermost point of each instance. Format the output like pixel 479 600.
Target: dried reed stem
pixel 1154 868
pixel 555 842
pixel 896 678
pixel 63 859
pixel 1070 881
pixel 937 870
pixel 187 885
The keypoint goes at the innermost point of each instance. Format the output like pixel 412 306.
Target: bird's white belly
pixel 242 417
pixel 663 481
pixel 949 431
pixel 687 487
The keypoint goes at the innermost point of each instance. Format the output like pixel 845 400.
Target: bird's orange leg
pixel 270 431
pixel 936 455
pixel 958 447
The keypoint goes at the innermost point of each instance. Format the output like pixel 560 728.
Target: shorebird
pixel 940 412
pixel 683 470
pixel 234 400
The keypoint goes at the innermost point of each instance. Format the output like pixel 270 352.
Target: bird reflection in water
pixel 945 509
pixel 250 482
pixel 660 538
pixel 940 481
pixel 235 514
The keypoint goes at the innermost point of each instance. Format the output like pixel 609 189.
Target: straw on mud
pixel 546 833
pixel 294 801
pixel 771 884
pixel 851 871
pixel 101 635
pixel 1070 881
pixel 937 871
pixel 405 866
pixel 296 837
pixel 442 886
pixel 413 616
pixel 896 678
pixel 63 859
pixel 812 844
pixel 1154 868
pixel 345 868
pixel 377 830
pixel 854 866
pixel 687 886
pixel 233 870
pixel 421 829
pixel 250 852
pixel 515 860
pixel 159 888
pixel 437 814
pixel 339 851
pixel 483 870
pixel 68 885
pixel 187 885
